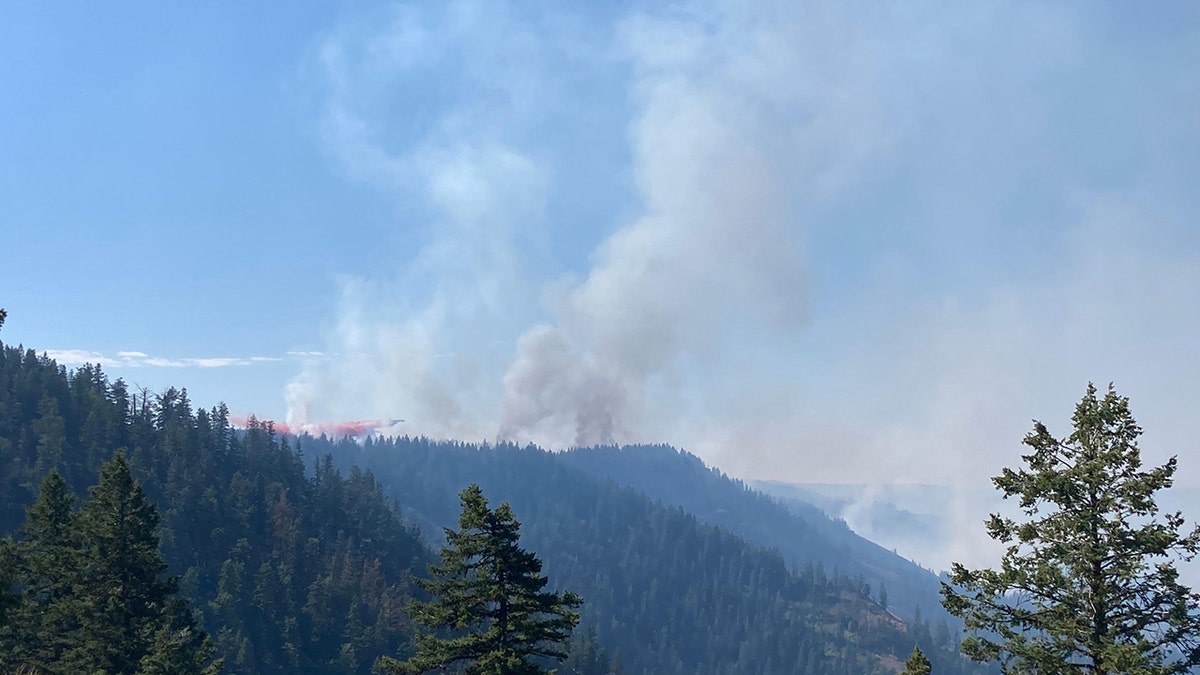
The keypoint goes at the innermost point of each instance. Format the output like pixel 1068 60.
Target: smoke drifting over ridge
pixel 730 125
pixel 717 241
pixel 886 236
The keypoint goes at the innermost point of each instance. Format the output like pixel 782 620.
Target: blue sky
pixel 809 241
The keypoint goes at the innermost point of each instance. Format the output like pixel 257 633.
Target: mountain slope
pixel 290 572
pixel 297 569
pixel 802 533
pixel 669 592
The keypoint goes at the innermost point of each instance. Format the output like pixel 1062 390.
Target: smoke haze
pixel 807 241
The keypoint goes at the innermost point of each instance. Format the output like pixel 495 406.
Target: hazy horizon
pixel 809 242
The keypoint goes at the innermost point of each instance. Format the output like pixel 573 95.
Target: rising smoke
pixel 731 124
pixel 975 256
pixel 729 131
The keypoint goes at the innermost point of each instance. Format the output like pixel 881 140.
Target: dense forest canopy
pixel 88 591
pixel 300 555
pixel 291 565
pixel 669 591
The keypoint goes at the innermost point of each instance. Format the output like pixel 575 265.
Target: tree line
pixel 85 590
pixel 296 562
pixel 289 564
pixel 201 548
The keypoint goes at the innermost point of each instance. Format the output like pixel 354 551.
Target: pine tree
pixel 51 435
pixel 178 646
pixel 490 593
pixel 3 316
pixel 1088 582
pixel 917 664
pixel 127 610
pixel 44 564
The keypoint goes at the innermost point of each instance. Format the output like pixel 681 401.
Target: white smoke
pixel 425 341
pixel 739 114
pixel 865 244
pixel 736 114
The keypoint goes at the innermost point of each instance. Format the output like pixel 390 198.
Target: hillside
pixel 802 533
pixel 668 590
pixel 291 571
pixel 296 558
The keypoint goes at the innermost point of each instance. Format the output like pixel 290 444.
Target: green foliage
pixel 123 599
pixel 917 664
pixel 44 563
pixel 291 571
pixel 1087 583
pixel 296 570
pixel 666 592
pixel 801 532
pixel 491 594
pixel 92 594
pixel 3 316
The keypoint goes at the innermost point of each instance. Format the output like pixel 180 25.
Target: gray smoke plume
pixel 735 123
pixel 975 256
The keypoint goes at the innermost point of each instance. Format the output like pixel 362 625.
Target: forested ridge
pixel 669 592
pixel 290 571
pixel 802 533
pixel 296 559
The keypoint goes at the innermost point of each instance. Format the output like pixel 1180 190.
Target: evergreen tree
pixel 89 595
pixel 123 588
pixel 490 593
pixel 51 435
pixel 917 664
pixel 291 575
pixel 1088 583
pixel 3 316
pixel 178 646
pixel 44 564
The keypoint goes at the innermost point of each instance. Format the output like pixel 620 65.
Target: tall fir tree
pixel 917 664
pixel 123 588
pixel 1087 583
pixel 489 593
pixel 44 564
pixel 51 431
pixel 93 598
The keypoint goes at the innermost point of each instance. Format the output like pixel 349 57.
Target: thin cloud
pixel 140 359
pixel 79 357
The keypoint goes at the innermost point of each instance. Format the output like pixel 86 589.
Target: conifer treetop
pixel 1087 582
